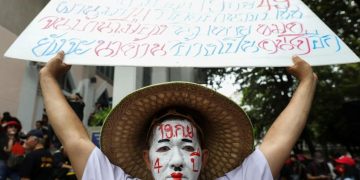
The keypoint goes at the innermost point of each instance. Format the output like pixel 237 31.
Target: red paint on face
pixel 197 153
pixel 190 132
pixel 193 163
pixel 169 131
pixel 176 176
pixel 178 128
pixel 157 165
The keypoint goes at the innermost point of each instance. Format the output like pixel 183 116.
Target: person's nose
pixel 177 160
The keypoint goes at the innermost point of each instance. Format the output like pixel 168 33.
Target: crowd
pixel 36 155
pixel 336 167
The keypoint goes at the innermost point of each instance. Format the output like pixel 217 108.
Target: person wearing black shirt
pixel 77 104
pixel 38 163
pixel 62 166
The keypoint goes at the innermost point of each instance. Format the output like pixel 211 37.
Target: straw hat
pixel 226 127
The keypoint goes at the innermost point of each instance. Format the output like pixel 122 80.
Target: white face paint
pixel 175 151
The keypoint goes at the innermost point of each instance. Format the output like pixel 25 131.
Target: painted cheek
pixel 195 164
pixel 195 160
pixel 157 165
pixel 196 153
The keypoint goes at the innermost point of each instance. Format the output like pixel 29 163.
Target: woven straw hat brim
pixel 228 130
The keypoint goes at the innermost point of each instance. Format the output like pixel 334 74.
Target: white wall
pixel 11 74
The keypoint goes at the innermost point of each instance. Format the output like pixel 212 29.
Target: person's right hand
pixel 302 70
pixel 55 67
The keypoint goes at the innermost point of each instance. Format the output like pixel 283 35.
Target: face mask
pixel 175 151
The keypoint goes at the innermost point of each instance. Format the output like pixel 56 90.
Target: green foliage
pixel 98 118
pixel 267 91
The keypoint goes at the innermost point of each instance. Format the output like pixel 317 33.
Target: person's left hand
pixel 55 67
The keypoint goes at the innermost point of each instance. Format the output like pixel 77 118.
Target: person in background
pixel 318 168
pixel 294 168
pixel 39 125
pixel 38 162
pixel 345 168
pixel 12 150
pixel 77 104
pixel 63 169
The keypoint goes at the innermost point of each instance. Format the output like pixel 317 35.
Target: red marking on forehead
pixel 168 131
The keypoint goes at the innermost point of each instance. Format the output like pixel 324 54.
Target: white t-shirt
pixel 254 167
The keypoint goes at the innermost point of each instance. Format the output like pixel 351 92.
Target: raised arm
pixel 67 126
pixel 286 129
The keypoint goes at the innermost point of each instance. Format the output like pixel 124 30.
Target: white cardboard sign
pixel 201 33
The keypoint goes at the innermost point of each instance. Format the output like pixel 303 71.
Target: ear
pixel 147 159
pixel 205 155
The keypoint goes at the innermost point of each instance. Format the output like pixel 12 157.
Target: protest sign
pixel 204 33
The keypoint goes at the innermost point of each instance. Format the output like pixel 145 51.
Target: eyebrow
pixel 163 140
pixel 186 140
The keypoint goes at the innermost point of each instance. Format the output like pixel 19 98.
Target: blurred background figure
pixel 77 104
pixel 294 168
pixel 38 162
pixel 345 168
pixel 11 151
pixel 318 167
pixel 62 166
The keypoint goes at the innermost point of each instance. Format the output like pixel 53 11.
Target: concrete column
pixel 88 90
pixel 28 96
pixel 182 74
pixel 159 75
pixel 187 74
pixel 139 77
pixel 124 83
pixel 89 99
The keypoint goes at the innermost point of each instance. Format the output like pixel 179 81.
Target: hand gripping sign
pixel 205 33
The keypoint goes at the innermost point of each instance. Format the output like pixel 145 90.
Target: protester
pixel 39 125
pixel 345 168
pixel 77 104
pixel 12 151
pixel 38 163
pixel 294 168
pixel 3 154
pixel 62 166
pixel 192 132
pixel 318 168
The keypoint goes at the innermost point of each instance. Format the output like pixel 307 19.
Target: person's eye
pixel 163 149
pixel 189 148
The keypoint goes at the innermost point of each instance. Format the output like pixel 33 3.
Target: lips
pixel 176 176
